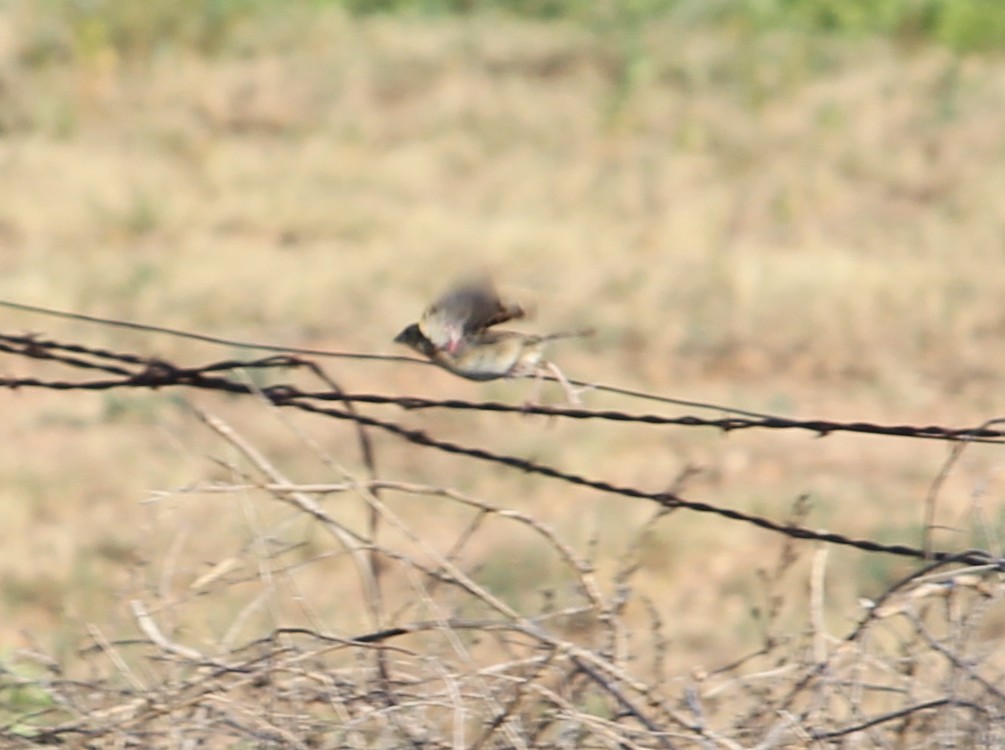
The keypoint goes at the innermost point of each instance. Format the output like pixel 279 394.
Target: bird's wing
pixel 466 309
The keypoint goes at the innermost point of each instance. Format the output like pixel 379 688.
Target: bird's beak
pixel 409 335
pixel 412 337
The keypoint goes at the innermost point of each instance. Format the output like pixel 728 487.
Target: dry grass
pixel 776 223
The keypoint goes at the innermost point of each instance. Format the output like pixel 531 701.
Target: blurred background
pixel 790 206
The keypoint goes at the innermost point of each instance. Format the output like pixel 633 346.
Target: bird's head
pixel 412 337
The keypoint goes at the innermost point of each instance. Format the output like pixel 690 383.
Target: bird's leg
pixel 572 394
pixel 535 399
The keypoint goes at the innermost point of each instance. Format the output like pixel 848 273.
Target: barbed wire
pixel 727 424
pixel 155 373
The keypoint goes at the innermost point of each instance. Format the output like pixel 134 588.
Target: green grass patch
pixel 139 28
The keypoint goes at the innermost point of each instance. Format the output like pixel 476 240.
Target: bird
pixel 491 354
pixel 466 309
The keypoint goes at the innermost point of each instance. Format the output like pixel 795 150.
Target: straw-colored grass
pixel 779 222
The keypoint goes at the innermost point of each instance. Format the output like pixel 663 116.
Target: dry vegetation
pixel 775 222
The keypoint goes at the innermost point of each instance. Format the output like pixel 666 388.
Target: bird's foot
pixel 572 394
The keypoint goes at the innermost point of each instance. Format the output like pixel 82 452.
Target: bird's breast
pixel 484 361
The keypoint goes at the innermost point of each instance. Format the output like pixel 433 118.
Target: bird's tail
pixel 577 333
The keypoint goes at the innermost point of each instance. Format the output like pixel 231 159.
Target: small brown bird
pixel 463 311
pixel 488 355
